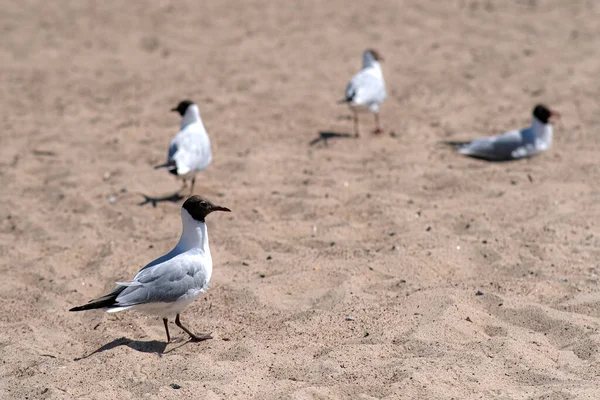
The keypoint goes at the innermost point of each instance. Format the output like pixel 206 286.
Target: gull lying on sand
pixel 514 144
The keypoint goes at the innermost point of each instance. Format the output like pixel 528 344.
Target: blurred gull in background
pixel 514 144
pixel 189 151
pixel 366 90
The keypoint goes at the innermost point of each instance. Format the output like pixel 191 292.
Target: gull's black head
pixel 543 113
pixel 199 208
pixel 182 107
pixel 375 54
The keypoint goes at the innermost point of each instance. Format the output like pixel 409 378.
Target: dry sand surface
pixel 346 271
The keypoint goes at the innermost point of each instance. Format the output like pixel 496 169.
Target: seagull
pixel 167 285
pixel 189 151
pixel 366 90
pixel 515 144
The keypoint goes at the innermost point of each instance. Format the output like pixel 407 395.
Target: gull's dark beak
pixel 174 109
pixel 219 208
pixel 554 115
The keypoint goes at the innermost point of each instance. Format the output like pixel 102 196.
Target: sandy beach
pixel 383 267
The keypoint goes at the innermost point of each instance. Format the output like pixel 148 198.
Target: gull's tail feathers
pixel 170 165
pixel 457 144
pixel 350 95
pixel 106 301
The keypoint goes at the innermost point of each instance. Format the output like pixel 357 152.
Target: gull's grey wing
pixel 165 282
pixel 507 146
pixel 172 149
pixel 365 89
pixel 350 92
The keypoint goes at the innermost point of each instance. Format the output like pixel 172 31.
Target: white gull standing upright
pixel 514 144
pixel 189 151
pixel 366 90
pixel 167 285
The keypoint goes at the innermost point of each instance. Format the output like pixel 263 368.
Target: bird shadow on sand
pixel 324 136
pixel 149 346
pixel 173 198
pixel 490 160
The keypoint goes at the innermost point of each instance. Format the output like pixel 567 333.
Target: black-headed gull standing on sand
pixel 514 144
pixel 366 90
pixel 189 151
pixel 169 284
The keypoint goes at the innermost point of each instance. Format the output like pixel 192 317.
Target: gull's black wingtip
pixel 170 165
pixel 165 165
pixel 102 302
pixel 91 306
pixel 455 143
